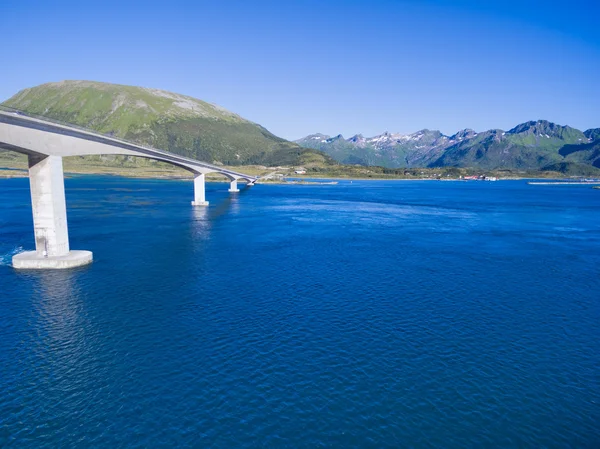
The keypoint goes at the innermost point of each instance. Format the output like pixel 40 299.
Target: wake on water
pixel 6 259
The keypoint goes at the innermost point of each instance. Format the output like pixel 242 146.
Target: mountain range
pixel 194 128
pixel 535 145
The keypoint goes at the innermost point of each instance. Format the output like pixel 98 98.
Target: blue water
pixel 371 314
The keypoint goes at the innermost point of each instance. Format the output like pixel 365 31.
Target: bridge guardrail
pixel 15 111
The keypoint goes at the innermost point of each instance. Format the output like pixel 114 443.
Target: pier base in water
pixel 233 188
pixel 32 260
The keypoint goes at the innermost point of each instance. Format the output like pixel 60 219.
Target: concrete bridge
pixel 46 142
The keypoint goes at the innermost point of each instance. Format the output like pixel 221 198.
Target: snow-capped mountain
pixel 531 145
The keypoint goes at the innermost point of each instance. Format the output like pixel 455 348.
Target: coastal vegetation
pixel 15 165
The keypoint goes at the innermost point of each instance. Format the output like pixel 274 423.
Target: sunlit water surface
pixel 364 314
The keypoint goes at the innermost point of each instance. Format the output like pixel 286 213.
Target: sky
pixel 334 67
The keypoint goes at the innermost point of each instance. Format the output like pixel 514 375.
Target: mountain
pixel 584 153
pixel 530 146
pixel 387 150
pixel 164 120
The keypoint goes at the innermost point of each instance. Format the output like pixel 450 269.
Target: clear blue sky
pixel 299 67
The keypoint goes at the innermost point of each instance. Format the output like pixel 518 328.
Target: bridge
pixel 46 142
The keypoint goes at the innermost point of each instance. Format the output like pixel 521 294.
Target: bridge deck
pixel 40 127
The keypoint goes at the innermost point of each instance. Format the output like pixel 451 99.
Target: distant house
pixel 300 171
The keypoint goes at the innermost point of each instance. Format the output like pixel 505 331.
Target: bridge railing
pixel 43 118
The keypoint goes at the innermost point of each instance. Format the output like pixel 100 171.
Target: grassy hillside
pixel 531 145
pixel 161 119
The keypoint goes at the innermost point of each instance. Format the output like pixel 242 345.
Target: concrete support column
pixel 199 191
pixel 49 219
pixel 49 205
pixel 233 186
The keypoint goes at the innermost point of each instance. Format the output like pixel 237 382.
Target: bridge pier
pixel 233 187
pixel 199 191
pixel 49 208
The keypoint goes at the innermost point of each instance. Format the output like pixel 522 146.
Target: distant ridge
pixel 534 145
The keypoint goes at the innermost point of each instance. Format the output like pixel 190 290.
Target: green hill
pixel 163 120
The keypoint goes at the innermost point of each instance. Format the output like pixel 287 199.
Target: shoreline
pixel 136 173
pixel 17 173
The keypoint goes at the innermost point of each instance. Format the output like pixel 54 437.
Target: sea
pixel 363 314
